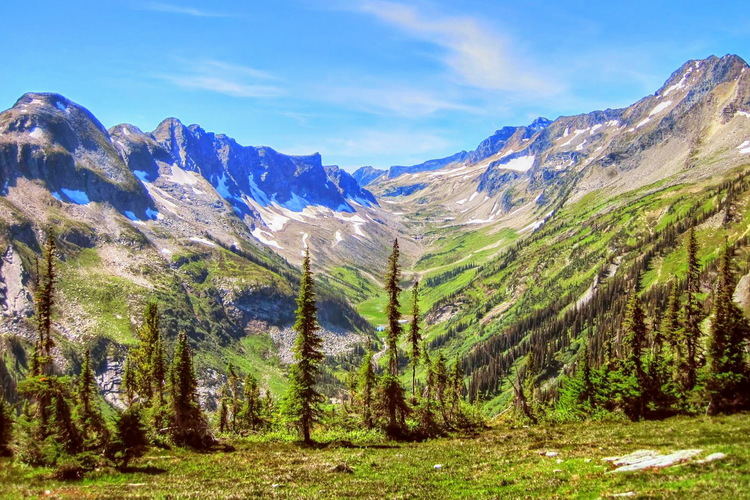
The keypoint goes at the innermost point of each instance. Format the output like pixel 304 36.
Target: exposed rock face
pixel 15 298
pixel 240 172
pixel 48 138
pixel 365 175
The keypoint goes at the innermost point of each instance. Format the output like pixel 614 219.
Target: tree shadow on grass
pixel 315 445
pixel 145 469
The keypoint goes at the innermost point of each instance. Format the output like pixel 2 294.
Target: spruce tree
pixel 670 326
pixel 415 337
pixel 189 425
pixel 234 391
pixel 6 426
pixel 253 405
pixel 302 403
pixel 729 330
pixel 45 300
pixel 391 398
pixel 223 409
pixel 393 289
pixel 636 334
pixel 367 381
pixel 88 415
pixel 692 331
pixel 131 440
pixel 49 426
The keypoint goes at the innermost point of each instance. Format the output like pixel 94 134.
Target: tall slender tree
pixel 392 310
pixel 391 397
pixel 366 385
pixel 302 403
pixel 636 334
pixel 415 336
pixel 6 426
pixel 692 330
pixel 45 300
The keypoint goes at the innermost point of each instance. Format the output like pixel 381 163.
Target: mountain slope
pixel 166 216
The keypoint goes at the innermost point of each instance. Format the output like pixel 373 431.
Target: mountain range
pixel 537 217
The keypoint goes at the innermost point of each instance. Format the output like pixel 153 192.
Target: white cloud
pixel 475 54
pixel 224 78
pixel 393 100
pixel 363 143
pixel 179 9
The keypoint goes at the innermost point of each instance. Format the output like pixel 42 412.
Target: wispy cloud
pixel 476 55
pixel 377 143
pixel 225 78
pixel 180 9
pixel 393 100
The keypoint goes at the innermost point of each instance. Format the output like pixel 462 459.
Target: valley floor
pixel 499 463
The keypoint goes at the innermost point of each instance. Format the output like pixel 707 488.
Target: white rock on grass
pixel 647 459
pixel 711 458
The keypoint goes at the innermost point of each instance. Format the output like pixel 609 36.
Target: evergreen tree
pixel 223 410
pixel 6 426
pixel 234 390
pixel 441 384
pixel 189 425
pixel 89 417
pixel 45 300
pixel 146 365
pixel 253 405
pixel 131 440
pixel 635 339
pixel 302 404
pixel 670 326
pixel 367 381
pixel 729 330
pixel 391 399
pixel 415 337
pixel 692 331
pixel 48 426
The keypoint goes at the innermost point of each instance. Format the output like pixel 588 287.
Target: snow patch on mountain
pixel 202 241
pixel 36 133
pixel 259 234
pixel 520 164
pixel 180 176
pixel 660 107
pixel 744 147
pixel 77 197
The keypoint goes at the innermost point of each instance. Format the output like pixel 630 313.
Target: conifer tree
pixel 223 410
pixel 729 331
pixel 302 404
pixel 131 440
pixel 391 397
pixel 393 289
pixel 45 299
pixel 415 337
pixel 89 416
pixel 189 425
pixel 635 339
pixel 670 326
pixel 6 426
pixel 253 405
pixel 367 381
pixel 692 331
pixel 234 391
pixel 48 420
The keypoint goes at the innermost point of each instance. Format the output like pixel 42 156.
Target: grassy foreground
pixel 500 463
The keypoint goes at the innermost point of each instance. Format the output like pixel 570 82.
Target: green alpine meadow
pixel 370 308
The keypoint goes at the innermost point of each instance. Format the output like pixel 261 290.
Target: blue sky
pixel 364 82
